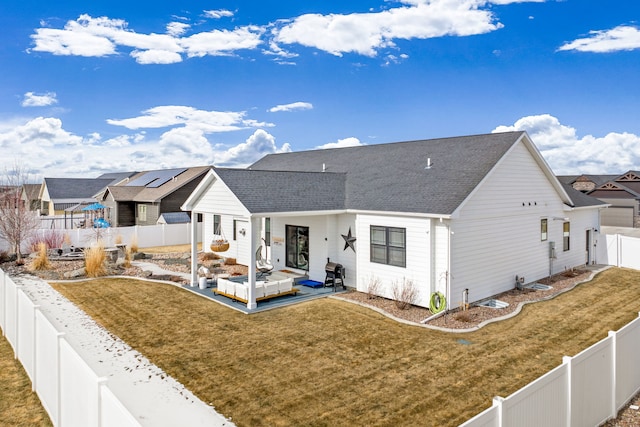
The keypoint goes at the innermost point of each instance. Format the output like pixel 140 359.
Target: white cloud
pixel 176 29
pixel 366 33
pixel 88 36
pixel 341 143
pixel 174 115
pixel 34 100
pixel 623 37
pixel 217 14
pixel 255 147
pixel 222 42
pixel 291 107
pixel 569 154
pixel 45 148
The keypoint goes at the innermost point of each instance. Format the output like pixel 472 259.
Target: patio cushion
pixel 285 285
pixel 270 288
pixel 242 291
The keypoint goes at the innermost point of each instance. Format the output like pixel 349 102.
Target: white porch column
pixel 254 239
pixel 194 249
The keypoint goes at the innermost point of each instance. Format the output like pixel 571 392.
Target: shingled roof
pixel 396 176
pixel 284 191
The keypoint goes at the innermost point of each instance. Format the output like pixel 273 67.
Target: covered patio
pixel 304 292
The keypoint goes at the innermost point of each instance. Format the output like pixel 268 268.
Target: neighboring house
pixel 622 192
pixel 59 194
pixel 144 197
pixel 29 196
pixel 460 216
pixel 585 183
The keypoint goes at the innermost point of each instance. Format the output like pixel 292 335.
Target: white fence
pixel 70 391
pixel 145 235
pixel 619 250
pixel 585 390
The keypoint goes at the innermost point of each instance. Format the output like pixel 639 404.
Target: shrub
pixel 134 244
pixel 51 238
pixel 118 239
pixel 404 294
pixel 94 260
pixel 127 258
pixel 373 287
pixel 4 256
pixel 230 261
pixel 463 316
pixel 41 261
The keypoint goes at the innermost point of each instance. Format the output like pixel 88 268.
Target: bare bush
pixel 404 293
pixel 51 238
pixel 373 286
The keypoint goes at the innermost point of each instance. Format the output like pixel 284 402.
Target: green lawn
pixel 328 362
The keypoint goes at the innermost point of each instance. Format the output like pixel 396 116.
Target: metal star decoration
pixel 349 240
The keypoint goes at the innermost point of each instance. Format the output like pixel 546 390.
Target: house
pixel 458 218
pixel 585 183
pixel 144 197
pixel 622 192
pixel 29 196
pixel 59 194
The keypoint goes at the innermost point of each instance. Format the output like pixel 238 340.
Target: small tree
pixel 17 222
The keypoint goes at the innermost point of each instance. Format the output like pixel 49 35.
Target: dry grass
pixel 328 362
pixel 19 406
pixel 41 261
pixel 168 249
pixel 94 259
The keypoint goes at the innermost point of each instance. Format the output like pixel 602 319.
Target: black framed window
pixel 566 228
pixel 388 245
pixel 543 229
pixel 297 247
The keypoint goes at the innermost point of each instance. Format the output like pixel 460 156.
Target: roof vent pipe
pixel 324 167
pixel 429 164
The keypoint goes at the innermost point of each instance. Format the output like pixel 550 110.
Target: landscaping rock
pixel 74 274
pixel 139 255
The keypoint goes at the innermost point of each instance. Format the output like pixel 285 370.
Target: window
pixel 565 236
pixel 216 224
pixel 267 231
pixel 543 229
pixel 388 245
pixel 142 212
pixel 297 248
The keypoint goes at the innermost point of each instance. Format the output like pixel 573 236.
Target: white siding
pixel 220 200
pixel 418 265
pixel 497 235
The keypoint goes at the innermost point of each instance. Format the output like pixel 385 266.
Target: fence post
pixel 566 360
pixel 497 401
pixel 614 372
pixel 102 381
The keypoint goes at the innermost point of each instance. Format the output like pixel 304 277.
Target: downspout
pixel 448 281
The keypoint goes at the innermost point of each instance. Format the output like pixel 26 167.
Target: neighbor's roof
pixel 74 188
pixel 394 177
pixel 160 184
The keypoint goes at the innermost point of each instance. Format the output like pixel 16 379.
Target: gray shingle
pixel 393 177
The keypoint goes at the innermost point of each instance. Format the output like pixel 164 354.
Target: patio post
pixel 194 249
pixel 254 237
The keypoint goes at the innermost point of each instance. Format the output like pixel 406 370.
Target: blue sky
pixel 101 86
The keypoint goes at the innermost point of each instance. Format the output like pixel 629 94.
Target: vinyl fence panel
pixel 627 367
pixel 592 384
pixel 47 366
pixel 26 333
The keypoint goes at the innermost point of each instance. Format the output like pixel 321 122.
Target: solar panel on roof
pixel 165 176
pixel 155 179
